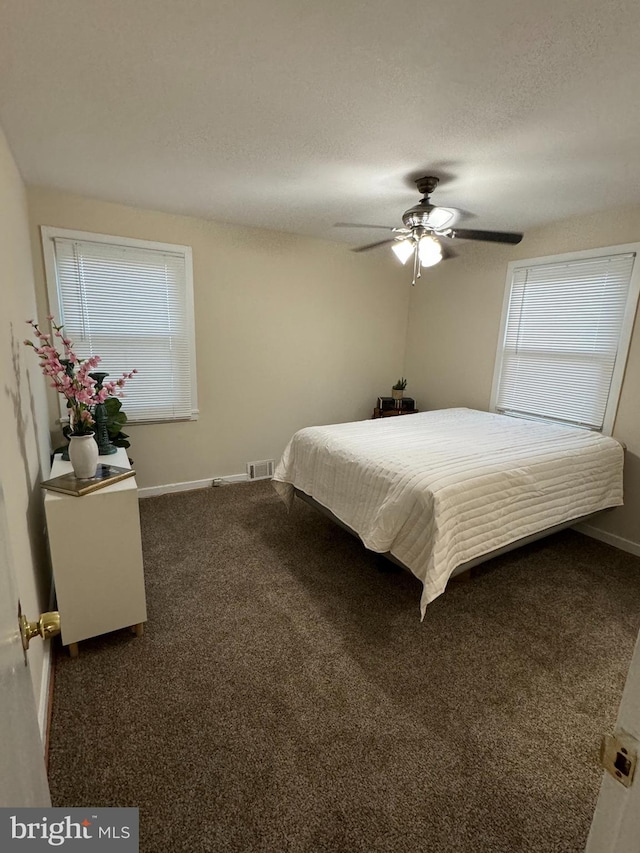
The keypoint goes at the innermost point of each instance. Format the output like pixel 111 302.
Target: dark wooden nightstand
pixel 390 413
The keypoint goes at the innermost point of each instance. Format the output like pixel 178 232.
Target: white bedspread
pixel 437 489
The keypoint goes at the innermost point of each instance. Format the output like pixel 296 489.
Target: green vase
pixel 100 418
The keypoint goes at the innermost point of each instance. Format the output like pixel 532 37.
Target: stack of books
pixel 406 404
pixel 69 484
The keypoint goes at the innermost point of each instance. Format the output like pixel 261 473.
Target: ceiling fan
pixel 424 227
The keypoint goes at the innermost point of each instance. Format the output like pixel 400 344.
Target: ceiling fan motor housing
pixel 418 215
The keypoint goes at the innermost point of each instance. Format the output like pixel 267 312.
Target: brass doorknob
pixel 48 625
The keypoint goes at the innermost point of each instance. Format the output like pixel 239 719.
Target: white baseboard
pixel 232 478
pixel 610 538
pixel 152 491
pixel 45 681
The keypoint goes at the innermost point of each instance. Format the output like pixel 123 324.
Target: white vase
pixel 83 453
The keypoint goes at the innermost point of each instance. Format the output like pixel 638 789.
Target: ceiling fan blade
pixel 372 245
pixel 359 225
pixel 488 236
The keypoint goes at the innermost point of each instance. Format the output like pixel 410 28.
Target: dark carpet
pixel 286 696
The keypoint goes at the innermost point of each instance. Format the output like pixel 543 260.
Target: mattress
pixel 437 489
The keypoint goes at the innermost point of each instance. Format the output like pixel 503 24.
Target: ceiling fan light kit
pixel 424 226
pixel 429 251
pixel 403 250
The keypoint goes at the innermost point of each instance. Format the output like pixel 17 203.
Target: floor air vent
pixel 260 470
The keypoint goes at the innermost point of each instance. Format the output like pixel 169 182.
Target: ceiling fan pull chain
pixel 416 266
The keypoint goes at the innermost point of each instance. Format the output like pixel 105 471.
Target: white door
pixel 23 780
pixel 616 822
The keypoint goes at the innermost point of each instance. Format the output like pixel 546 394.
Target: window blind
pixel 561 339
pixel 129 306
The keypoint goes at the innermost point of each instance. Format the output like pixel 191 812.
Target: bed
pixel 443 490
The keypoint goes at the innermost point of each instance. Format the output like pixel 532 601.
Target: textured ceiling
pixel 294 114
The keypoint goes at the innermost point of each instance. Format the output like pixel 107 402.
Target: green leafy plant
pixel 400 385
pixel 116 419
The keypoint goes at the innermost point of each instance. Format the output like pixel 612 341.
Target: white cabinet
pixel 96 555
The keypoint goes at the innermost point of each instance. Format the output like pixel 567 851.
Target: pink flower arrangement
pixel 69 376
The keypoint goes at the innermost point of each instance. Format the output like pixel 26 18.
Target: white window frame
pixel 626 330
pixel 48 235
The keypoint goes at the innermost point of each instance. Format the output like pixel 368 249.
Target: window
pixel 565 335
pixel 131 303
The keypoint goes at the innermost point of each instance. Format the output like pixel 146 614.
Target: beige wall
pixel 290 331
pixel 24 434
pixel 454 321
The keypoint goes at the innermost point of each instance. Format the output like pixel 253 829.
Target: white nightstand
pixel 96 555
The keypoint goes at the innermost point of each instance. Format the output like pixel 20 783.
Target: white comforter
pixel 437 489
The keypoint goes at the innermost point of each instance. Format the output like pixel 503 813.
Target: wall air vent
pixel 260 470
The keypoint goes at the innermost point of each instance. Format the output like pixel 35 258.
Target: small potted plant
pixel 397 390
